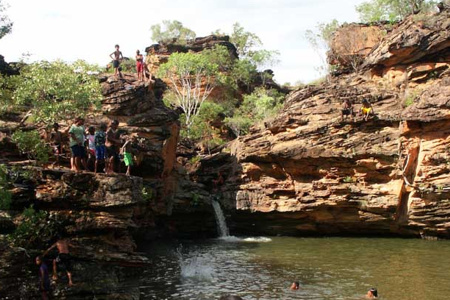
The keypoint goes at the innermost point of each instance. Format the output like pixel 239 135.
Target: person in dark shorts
pixel 77 148
pixel 100 148
pixel 347 110
pixel 117 57
pixel 113 144
pixel 63 258
pixel 44 279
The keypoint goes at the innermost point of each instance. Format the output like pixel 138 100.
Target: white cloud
pixel 89 29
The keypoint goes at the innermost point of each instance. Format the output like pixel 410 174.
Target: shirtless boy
pixel 117 57
pixel 63 258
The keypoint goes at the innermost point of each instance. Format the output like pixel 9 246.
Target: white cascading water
pixel 220 219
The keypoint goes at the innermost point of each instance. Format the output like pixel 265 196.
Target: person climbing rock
pixel 347 110
pixel 140 65
pixel 63 258
pixel 44 279
pixel 117 57
pixel 366 109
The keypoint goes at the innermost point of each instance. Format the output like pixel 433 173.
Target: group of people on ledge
pixel 95 146
pixel 143 67
pixel 366 110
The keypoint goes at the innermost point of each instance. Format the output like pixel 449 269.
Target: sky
pixel 89 29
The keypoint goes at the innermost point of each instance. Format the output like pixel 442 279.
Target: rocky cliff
pixel 308 172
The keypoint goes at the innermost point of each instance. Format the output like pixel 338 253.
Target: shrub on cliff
pixel 391 10
pixel 261 105
pixel 31 144
pixel 57 90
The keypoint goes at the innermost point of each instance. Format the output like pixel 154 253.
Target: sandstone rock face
pixel 308 172
pixel 97 212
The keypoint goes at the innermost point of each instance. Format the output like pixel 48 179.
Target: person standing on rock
pixel 140 65
pixel 100 149
pixel 77 148
pixel 112 144
pixel 117 57
pixel 44 279
pixel 63 258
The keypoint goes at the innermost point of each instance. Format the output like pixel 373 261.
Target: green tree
pixel 5 23
pixel 31 144
pixel 192 78
pixel 244 41
pixel 171 31
pixel 57 90
pixel 202 130
pixel 261 105
pixel 320 40
pixel 391 10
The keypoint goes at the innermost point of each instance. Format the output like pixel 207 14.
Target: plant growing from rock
pixel 5 194
pixel 192 78
pixel 31 144
pixel 391 10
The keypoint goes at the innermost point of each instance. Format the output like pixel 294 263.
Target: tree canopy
pixel 56 90
pixel 5 23
pixel 171 31
pixel 391 10
pixel 192 78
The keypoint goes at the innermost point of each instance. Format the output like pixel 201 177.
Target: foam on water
pixel 235 239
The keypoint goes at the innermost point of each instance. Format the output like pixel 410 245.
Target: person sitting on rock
pixel 63 258
pixel 117 57
pixel 56 141
pixel 366 109
pixel 140 65
pixel 44 279
pixel 372 293
pixel 100 149
pixel 347 110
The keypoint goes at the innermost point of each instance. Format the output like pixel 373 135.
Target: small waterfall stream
pixel 220 219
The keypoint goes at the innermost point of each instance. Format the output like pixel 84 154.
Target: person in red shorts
pixel 140 65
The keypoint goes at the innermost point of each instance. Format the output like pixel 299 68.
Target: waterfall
pixel 220 219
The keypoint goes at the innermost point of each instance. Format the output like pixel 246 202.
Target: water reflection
pixel 327 268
